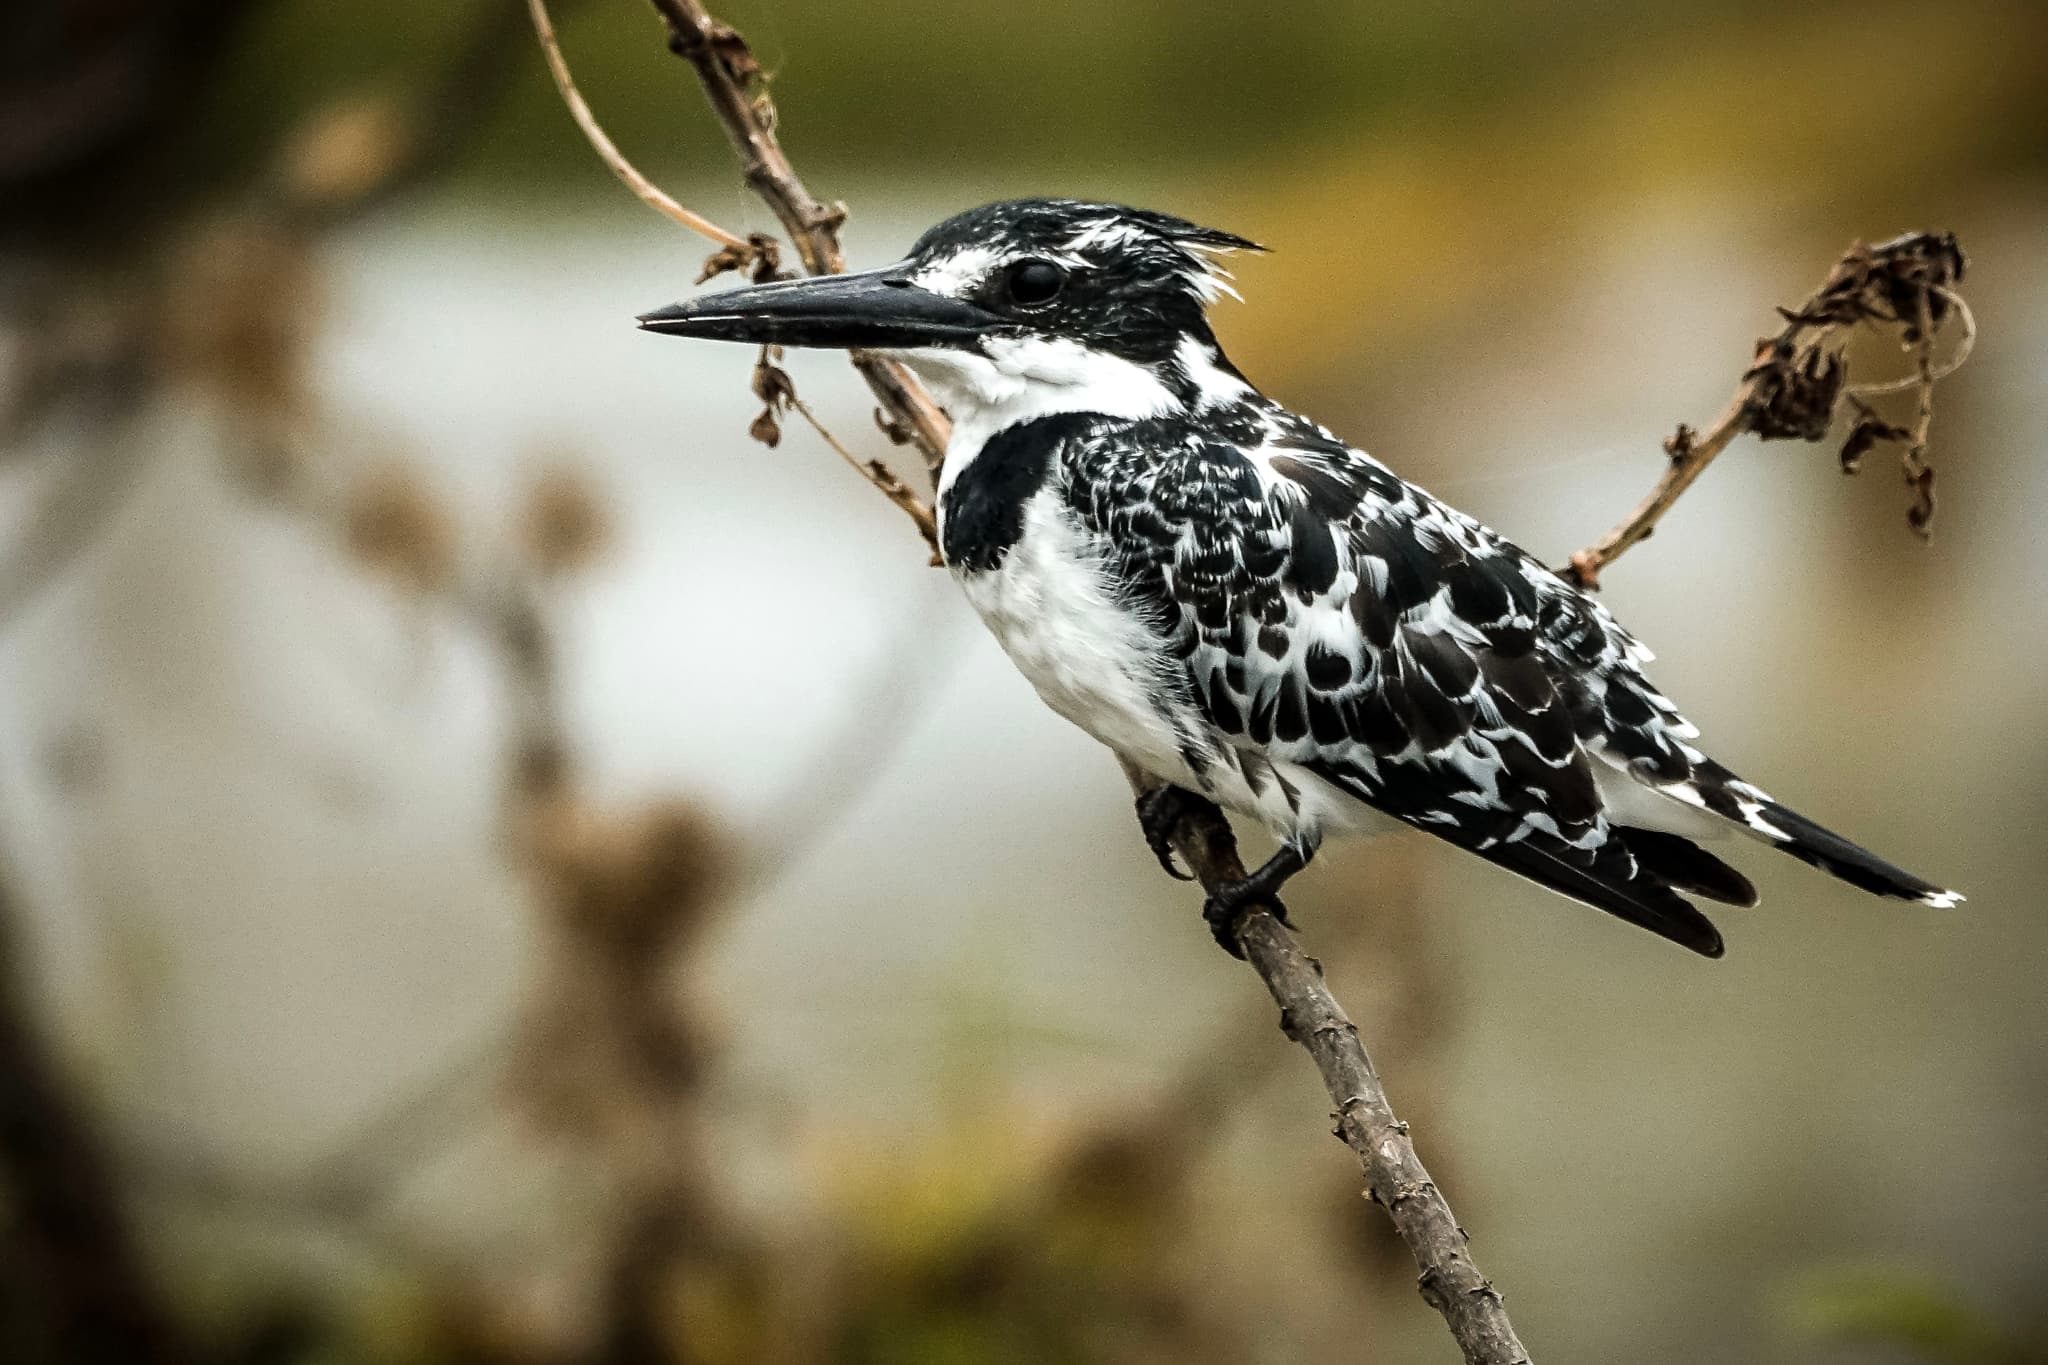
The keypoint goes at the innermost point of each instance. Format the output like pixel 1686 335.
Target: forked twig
pixel 728 72
pixel 811 227
pixel 883 478
pixel 1798 377
pixel 645 190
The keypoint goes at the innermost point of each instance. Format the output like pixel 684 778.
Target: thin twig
pixel 607 151
pixel 1966 319
pixel 811 225
pixel 1797 377
pixel 1450 1281
pixel 727 70
pixel 1919 474
pixel 883 478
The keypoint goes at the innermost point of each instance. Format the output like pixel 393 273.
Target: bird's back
pixel 1305 625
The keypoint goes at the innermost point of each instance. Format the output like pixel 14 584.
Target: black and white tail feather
pixel 1253 610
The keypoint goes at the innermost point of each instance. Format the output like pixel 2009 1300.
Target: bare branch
pixel 729 74
pixel 608 152
pixel 1395 1178
pixel 358 154
pixel 1919 474
pixel 1797 378
pixel 884 479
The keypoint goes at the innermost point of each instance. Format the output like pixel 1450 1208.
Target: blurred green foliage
pixel 1101 94
pixel 1880 1305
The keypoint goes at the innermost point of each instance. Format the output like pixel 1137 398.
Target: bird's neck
pixel 1011 381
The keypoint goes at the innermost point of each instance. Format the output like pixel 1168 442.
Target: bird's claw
pixel 1223 907
pixel 1159 810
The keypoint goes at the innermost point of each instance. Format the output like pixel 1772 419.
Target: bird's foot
pixel 1159 810
pixel 1227 903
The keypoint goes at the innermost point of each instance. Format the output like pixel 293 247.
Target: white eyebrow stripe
pixel 961 273
pixel 956 275
pixel 1105 232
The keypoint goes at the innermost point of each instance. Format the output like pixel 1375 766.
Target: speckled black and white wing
pixel 1334 620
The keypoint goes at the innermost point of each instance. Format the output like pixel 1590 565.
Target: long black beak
pixel 881 308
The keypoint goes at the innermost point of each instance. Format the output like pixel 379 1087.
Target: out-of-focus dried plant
pixel 622 895
pixel 347 150
pixel 563 527
pixel 242 302
pixel 393 525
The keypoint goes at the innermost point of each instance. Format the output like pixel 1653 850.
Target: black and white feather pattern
pixel 1245 605
pixel 1328 617
pixel 1242 605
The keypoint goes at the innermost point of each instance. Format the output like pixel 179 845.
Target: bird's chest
pixel 1055 612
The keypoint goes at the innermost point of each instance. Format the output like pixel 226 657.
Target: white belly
pixel 1093 662
pixel 1090 659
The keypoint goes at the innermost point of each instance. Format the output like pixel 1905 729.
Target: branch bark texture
pixel 730 75
pixel 1395 1177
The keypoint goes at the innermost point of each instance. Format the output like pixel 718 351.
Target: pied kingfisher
pixel 1246 607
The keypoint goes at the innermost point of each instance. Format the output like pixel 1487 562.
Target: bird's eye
pixel 1034 283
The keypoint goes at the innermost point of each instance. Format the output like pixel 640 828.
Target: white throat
pixel 1010 380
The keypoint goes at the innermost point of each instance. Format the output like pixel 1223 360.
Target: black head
pixel 1128 282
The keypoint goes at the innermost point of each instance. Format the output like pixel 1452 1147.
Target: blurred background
pixel 496 866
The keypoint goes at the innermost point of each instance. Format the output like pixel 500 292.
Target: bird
pixel 1255 612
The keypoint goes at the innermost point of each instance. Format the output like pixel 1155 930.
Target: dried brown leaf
pixel 726 258
pixel 1870 429
pixel 767 263
pixel 1795 395
pixel 895 428
pixel 771 383
pixel 1920 483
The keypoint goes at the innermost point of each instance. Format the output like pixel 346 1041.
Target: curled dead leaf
pixel 1920 483
pixel 895 428
pixel 1795 392
pixel 771 383
pixel 767 264
pixel 1870 429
